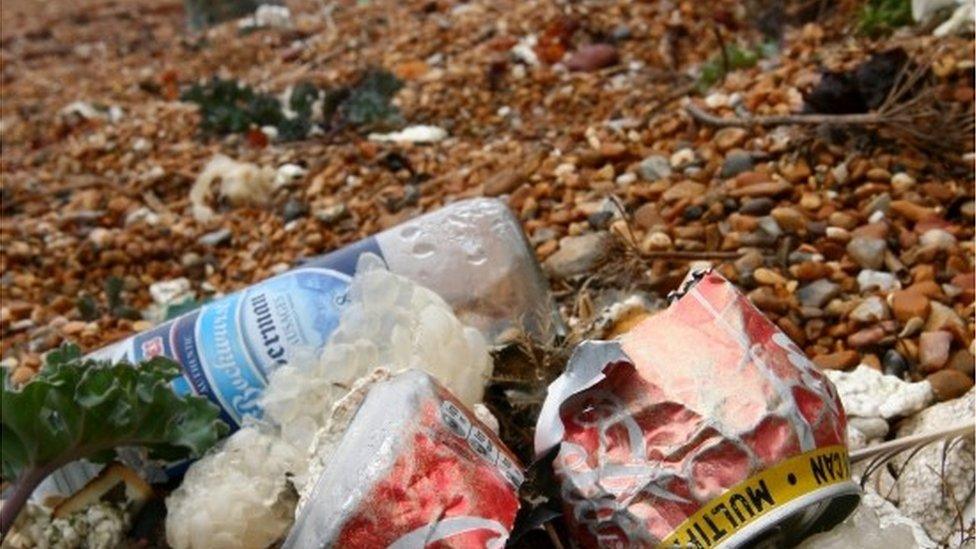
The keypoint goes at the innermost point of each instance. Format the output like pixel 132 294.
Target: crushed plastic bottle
pixel 472 253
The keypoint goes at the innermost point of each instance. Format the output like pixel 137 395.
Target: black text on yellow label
pixel 745 502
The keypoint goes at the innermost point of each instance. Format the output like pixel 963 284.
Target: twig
pixel 905 443
pixel 690 255
pixel 780 120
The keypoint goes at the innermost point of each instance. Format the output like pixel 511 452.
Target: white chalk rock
pixel 868 393
pixel 937 483
pixel 875 524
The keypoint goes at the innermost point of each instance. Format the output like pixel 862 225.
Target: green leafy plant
pixel 115 305
pixel 230 107
pixel 880 17
pixel 734 58
pixel 78 408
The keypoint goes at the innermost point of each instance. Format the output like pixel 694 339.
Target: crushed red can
pixel 703 426
pixel 414 469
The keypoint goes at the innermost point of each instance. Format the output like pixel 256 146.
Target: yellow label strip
pixel 758 495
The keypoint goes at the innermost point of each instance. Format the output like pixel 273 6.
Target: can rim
pixel 841 499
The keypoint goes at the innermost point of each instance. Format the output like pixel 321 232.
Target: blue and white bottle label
pixel 228 348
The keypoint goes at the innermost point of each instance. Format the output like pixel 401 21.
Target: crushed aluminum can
pixel 703 426
pixel 414 469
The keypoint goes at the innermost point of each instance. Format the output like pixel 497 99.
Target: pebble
pixel 790 219
pixel 907 304
pixel 648 216
pixel 871 309
pixel 841 360
pixel 654 168
pixel 757 206
pixel 869 279
pixel 963 361
pixel 736 162
pixel 73 327
pixel 933 350
pixel 682 158
pixel 949 384
pixel 938 239
pixel 727 138
pixel 683 190
pixel 818 293
pixel 21 374
pixel 893 364
pixel 578 254
pixel 768 188
pixel 768 277
pixel 869 253
pixel 216 238
pixel 591 57
pixel 294 209
pixel 332 214
pixel 941 317
pixel 901 182
pixel 866 337
pixel 656 241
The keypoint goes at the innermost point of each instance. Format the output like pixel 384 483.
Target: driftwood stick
pixel 865 119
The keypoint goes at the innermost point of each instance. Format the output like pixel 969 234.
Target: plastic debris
pixel 388 322
pixel 241 183
pixel 412 134
pixel 415 468
pixel 702 425
pixel 267 16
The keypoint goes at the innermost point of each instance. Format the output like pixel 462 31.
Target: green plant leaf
pixel 82 408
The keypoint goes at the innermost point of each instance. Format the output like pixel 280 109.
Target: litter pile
pixel 196 202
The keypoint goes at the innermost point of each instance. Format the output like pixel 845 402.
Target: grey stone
pixel 872 309
pixel 817 293
pixel 736 162
pixel 654 168
pixel 757 206
pixel 215 238
pixel 578 254
pixel 894 364
pixel 867 252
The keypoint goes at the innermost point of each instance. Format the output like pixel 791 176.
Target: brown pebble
pixel 912 211
pixel 770 188
pixel 841 360
pixel 20 375
pixel 871 361
pixel 865 337
pixel 907 304
pixel 648 216
pixel 73 327
pixel 963 361
pixel 949 384
pixel 933 350
pixel 592 57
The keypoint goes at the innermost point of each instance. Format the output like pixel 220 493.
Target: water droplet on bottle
pixel 423 249
pixel 410 232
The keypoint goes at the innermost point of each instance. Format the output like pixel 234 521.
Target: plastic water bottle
pixel 472 253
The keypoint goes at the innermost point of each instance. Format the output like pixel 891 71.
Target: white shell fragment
pixel 412 134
